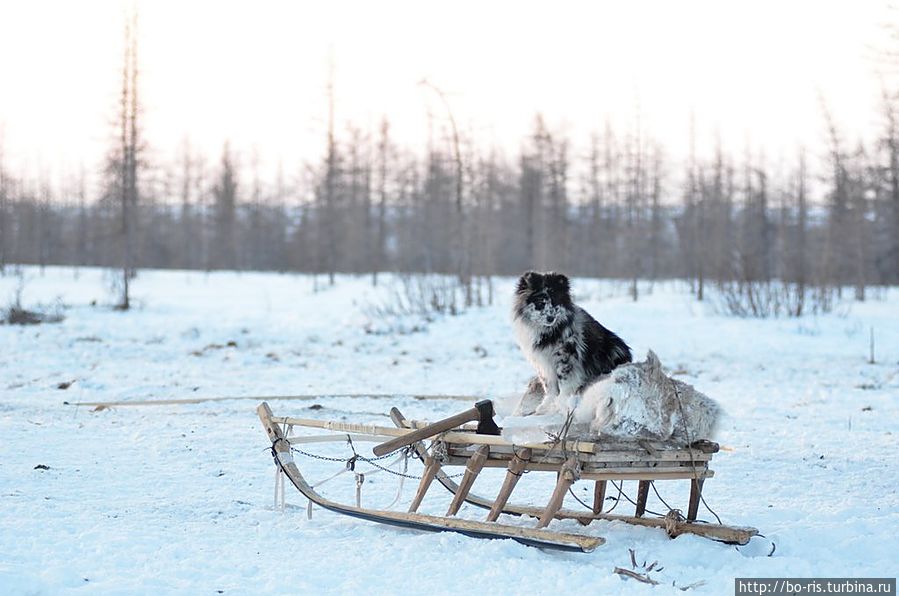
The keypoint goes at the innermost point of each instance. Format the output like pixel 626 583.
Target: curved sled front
pixel 528 536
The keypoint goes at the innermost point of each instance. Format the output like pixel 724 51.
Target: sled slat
pixel 462 438
pixel 591 450
pixel 678 473
pixel 667 457
pixel 331 438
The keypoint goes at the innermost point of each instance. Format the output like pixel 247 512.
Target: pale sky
pixel 254 72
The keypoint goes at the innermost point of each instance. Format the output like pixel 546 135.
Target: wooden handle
pixel 427 432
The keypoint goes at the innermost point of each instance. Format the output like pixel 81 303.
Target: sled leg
pixel 567 476
pixel 642 495
pixel 516 467
pixel 599 496
pixel 695 494
pixel 475 464
pixel 431 467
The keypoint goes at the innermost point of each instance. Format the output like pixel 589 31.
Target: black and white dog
pixel 567 346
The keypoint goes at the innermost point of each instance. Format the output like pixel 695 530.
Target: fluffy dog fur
pixel 567 346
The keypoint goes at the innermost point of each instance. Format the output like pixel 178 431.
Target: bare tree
pixel 890 142
pixel 656 216
pixel 82 236
pixel 224 192
pixel 329 188
pixel 385 153
pixel 128 158
pixel 188 186
pixel 461 256
pixel 4 200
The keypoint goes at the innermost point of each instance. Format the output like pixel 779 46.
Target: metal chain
pixel 371 461
pixel 340 459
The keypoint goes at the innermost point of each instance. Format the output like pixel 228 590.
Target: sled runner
pixel 455 443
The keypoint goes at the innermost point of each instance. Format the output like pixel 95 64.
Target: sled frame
pixel 571 460
pixel 546 539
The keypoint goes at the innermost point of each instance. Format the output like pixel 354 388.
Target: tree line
pixel 824 220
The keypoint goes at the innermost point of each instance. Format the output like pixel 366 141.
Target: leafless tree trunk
pixel 4 217
pixel 224 193
pixel 384 163
pixel 81 233
pixel 329 198
pixel 462 256
pixel 801 225
pixel 187 238
pixel 890 104
pixel 655 231
pixel 634 199
pixel 129 138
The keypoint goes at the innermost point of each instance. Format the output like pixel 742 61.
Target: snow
pixel 179 498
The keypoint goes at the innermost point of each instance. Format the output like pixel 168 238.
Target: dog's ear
pixel 528 281
pixel 559 283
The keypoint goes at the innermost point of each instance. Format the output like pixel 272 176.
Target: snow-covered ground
pixel 178 499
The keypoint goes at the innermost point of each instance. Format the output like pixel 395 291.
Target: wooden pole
pixel 473 414
pixel 695 495
pixel 431 467
pixel 568 475
pixel 599 495
pixel 474 467
pixel 642 495
pixel 307 397
pixel 513 474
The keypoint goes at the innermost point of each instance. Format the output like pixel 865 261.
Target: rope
pixel 330 478
pixel 618 498
pixel 571 492
pixel 559 439
pixel 399 489
pixel 634 503
pixel 683 419
pixel 277 482
pixel 360 478
pixel 655 490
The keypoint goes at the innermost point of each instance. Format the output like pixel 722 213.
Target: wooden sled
pixel 458 444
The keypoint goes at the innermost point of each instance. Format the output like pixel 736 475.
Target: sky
pixel 255 73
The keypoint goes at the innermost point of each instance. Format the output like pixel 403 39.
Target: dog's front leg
pixel 564 359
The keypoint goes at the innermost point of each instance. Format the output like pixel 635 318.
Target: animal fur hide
pixel 635 401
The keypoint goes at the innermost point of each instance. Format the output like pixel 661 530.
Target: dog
pixel 568 347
